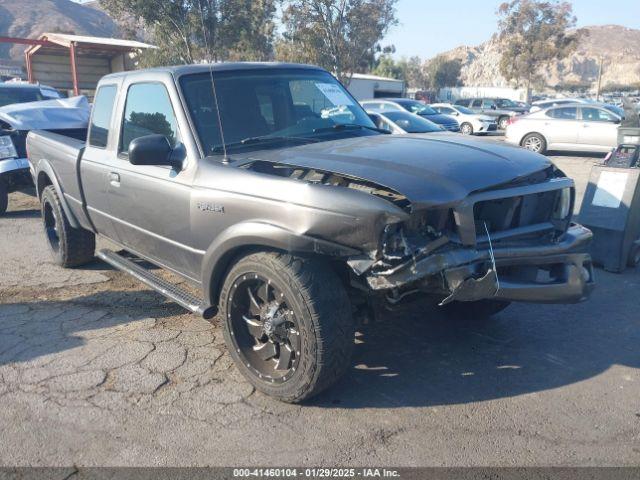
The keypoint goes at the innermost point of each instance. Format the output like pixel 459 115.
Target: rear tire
pixel 4 197
pixel 287 323
pixel 535 143
pixel 466 128
pixel 70 247
pixel 480 309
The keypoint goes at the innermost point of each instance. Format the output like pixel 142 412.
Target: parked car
pixel 552 102
pixel 414 106
pixel 402 122
pixel 17 115
pixel 18 92
pixel 573 127
pixel 290 223
pixel 470 122
pixel 502 109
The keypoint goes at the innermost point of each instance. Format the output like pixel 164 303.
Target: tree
pixel 534 33
pixel 191 31
pixel 443 72
pixel 386 66
pixel 339 35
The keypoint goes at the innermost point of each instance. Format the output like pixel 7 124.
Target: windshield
pixel 9 96
pixel 276 104
pixel 411 123
pixel 505 102
pixel 464 110
pixel 418 108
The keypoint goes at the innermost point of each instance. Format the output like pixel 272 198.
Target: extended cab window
pixel 148 111
pixel 101 119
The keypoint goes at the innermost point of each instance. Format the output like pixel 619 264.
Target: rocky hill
pixel 618 46
pixel 31 18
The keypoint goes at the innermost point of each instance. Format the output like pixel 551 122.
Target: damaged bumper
pixel 553 273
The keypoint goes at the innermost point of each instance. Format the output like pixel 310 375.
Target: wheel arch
pixel 46 176
pixel 534 132
pixel 248 237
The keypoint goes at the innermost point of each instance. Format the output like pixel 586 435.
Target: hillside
pixel 31 18
pixel 619 46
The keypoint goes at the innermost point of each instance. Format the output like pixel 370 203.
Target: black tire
pixel 502 123
pixel 315 298
pixel 480 309
pixel 70 247
pixel 4 197
pixel 466 128
pixel 534 142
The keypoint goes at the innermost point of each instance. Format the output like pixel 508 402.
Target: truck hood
pixel 429 171
pixel 59 114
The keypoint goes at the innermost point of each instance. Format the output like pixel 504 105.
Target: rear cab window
pixel 101 119
pixel 147 111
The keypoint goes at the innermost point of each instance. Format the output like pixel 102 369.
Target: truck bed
pixel 62 152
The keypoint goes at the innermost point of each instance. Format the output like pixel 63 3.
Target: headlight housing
pixel 563 205
pixel 7 149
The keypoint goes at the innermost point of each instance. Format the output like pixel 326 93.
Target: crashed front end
pixel 512 243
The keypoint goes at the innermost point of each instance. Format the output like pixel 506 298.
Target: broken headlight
pixel 563 204
pixel 7 149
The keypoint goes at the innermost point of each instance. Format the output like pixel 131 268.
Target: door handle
pixel 114 179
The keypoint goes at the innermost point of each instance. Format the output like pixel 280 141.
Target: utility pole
pixel 599 79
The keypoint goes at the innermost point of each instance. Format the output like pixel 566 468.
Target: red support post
pixel 74 69
pixel 27 60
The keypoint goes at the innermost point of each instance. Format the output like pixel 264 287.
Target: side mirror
pixel 152 150
pixel 493 107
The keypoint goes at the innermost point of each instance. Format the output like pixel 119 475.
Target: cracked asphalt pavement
pixel 96 370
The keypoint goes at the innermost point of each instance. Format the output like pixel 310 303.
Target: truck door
pixel 151 204
pixel 95 165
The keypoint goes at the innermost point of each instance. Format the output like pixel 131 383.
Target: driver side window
pixel 148 111
pixel 590 114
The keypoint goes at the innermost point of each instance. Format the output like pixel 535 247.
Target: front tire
pixel 70 247
pixel 480 309
pixel 466 128
pixel 287 323
pixel 503 122
pixel 535 143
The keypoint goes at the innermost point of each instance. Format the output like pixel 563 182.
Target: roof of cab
pixel 179 70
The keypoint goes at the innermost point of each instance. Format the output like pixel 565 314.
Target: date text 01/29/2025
pixel 315 473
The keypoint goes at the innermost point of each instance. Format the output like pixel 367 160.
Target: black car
pixel 383 105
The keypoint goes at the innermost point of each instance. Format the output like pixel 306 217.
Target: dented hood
pixel 58 114
pixel 428 171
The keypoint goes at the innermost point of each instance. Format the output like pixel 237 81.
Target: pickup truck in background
pixel 272 192
pixel 25 107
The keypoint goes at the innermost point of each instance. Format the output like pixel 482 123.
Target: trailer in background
pixel 364 87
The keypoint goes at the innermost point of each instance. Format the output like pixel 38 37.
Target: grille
pixel 504 214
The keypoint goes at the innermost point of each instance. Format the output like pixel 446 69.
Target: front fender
pixel 44 168
pixel 257 235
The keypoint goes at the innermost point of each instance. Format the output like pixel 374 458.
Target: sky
pixel 429 27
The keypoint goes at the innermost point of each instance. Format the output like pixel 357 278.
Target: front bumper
pixel 553 273
pixel 13 165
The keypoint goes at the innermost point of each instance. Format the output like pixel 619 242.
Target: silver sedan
pixel 574 127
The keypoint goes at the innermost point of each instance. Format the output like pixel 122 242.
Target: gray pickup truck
pixel 268 188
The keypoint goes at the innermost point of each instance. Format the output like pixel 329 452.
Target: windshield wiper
pixel 261 139
pixel 348 126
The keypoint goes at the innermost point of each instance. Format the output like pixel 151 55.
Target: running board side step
pixel 168 289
